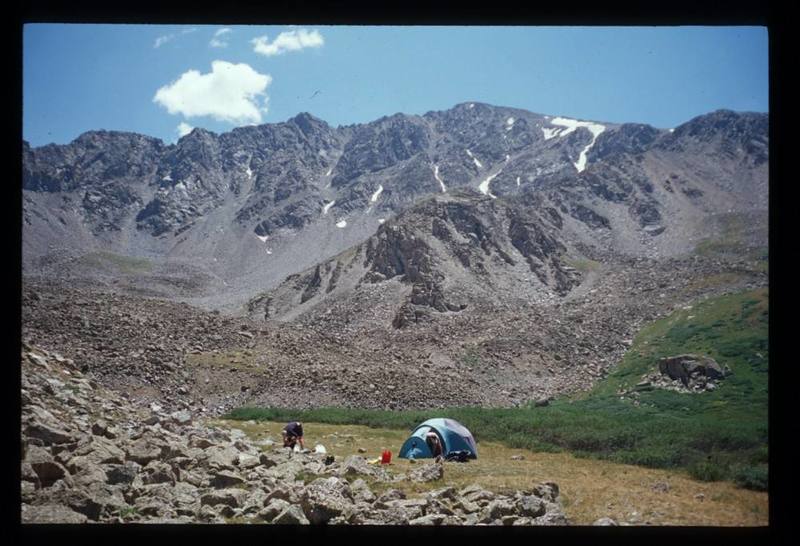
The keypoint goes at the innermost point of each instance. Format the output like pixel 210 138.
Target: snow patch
pixel 436 176
pixel 478 163
pixel 381 220
pixel 508 158
pixel 509 124
pixel 472 105
pixel 168 178
pixel 672 130
pixel 249 172
pixel 341 223
pixel 596 129
pixel 263 238
pixel 327 207
pixel 376 194
pixel 329 172
pixel 572 125
pixel 484 187
pixel 550 132
pixel 518 181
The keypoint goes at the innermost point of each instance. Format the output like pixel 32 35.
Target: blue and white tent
pixel 453 436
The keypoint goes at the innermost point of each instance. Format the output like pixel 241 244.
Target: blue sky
pixel 161 80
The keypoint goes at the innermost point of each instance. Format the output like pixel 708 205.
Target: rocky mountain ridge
pixel 234 214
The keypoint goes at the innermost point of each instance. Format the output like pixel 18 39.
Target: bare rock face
pixel 309 192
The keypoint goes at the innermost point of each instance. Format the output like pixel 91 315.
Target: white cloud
pixel 183 129
pixel 229 93
pixel 161 40
pixel 293 40
pixel 217 40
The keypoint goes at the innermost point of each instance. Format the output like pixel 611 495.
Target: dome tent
pixel 453 436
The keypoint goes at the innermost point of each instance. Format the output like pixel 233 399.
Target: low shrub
pixel 752 477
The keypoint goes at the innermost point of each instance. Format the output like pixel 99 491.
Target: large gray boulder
pixel 225 478
pixel 292 515
pixel 123 474
pixel 427 473
pixel 684 367
pixel 51 513
pixel 325 498
pixel 232 497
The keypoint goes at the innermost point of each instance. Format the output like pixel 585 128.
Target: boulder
pixel 89 475
pixel 51 513
pixel 496 509
pixel 356 465
pixel 222 458
pixel 225 478
pixel 292 515
pixel 99 450
pixel 182 417
pixel 95 501
pixel 28 474
pixel 427 473
pixel 255 502
pixel 123 474
pixel 431 519
pixel 284 492
pixel 391 494
pixel 325 498
pixel 683 367
pixel 232 497
pixel 46 470
pixel 531 506
pixel 186 499
pixel 158 472
pixel 48 433
pixel 476 494
pixel 548 491
pixel 273 508
pixel 361 491
pixel 466 506
pixel 142 451
pixel 246 460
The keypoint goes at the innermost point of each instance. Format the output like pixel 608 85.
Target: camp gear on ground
pixel 461 456
pixel 386 457
pixel 452 435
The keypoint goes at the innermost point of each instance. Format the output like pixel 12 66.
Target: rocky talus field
pixel 89 455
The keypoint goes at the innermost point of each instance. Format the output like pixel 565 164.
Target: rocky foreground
pixel 91 456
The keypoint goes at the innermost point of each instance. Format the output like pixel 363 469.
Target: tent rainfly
pixel 453 436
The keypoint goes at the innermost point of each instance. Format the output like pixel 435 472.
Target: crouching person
pixel 432 439
pixel 293 434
